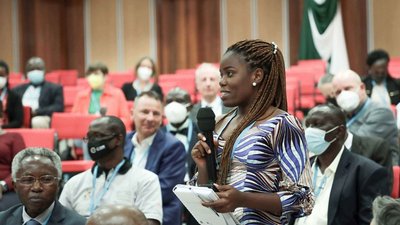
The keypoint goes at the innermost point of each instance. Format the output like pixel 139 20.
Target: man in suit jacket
pixel 345 184
pixel 365 117
pixel 160 152
pixel 36 174
pixel 43 97
pixel 207 83
pixel 379 85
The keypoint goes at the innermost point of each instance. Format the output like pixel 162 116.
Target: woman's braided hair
pixel 271 90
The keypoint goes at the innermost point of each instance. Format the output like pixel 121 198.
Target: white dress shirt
pixel 141 152
pixel 31 97
pixel 216 106
pixel 41 218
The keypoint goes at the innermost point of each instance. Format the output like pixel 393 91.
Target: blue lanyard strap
pixel 360 113
pixel 318 189
pixel 93 202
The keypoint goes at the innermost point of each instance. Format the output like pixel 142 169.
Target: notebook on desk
pixel 192 197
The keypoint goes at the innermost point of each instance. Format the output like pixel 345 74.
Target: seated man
pixel 365 117
pixel 160 152
pixel 117 215
pixel 207 83
pixel 101 98
pixel 43 97
pixel 345 183
pixel 177 109
pixel 36 174
pixel 379 85
pixel 112 180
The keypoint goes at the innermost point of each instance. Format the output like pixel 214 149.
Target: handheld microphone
pixel 206 124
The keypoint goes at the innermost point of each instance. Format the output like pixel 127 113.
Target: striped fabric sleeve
pixel 294 187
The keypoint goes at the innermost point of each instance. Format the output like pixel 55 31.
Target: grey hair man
pixel 36 174
pixel 386 211
pixel 117 215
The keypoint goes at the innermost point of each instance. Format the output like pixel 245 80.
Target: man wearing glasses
pixel 112 180
pixel 36 174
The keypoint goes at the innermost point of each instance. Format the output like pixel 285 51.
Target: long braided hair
pixel 271 90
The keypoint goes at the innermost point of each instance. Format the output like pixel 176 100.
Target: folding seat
pixel 396 182
pixel 68 77
pixel 36 137
pixel 26 123
pixel 70 93
pixel 71 125
pixel 117 79
pixel 73 167
pixel 53 77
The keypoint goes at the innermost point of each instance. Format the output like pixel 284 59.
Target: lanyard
pixel 93 202
pixel 360 113
pixel 318 189
pixel 3 93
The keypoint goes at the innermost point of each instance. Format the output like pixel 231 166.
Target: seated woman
pixel 264 171
pixel 144 70
pixel 10 145
pixel 11 102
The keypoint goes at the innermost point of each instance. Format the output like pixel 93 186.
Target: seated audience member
pixel 145 69
pixel 101 98
pixel 36 174
pixel 43 97
pixel 117 215
pixel 10 145
pixel 379 85
pixel 177 109
pixel 365 117
pixel 325 86
pixel 12 105
pixel 207 83
pixel 345 184
pixel 386 211
pixel 113 179
pixel 160 152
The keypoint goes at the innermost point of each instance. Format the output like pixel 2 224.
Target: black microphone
pixel 206 124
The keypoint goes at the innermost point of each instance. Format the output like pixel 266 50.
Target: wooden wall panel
pixel 386 20
pixel 270 22
pixel 6 36
pixel 188 33
pixel 136 31
pixel 238 20
pixel 103 33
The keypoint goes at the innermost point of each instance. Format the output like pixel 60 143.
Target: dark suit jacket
pixel 14 110
pixel 131 93
pixel 51 98
pixel 392 86
pixel 376 149
pixel 60 216
pixel 167 159
pixel 357 182
pixel 192 142
pixel 196 107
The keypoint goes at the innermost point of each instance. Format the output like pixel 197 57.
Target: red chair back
pixel 68 77
pixel 396 182
pixel 70 93
pixel 71 125
pixel 27 117
pixel 36 137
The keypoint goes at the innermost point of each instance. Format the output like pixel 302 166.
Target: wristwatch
pixel 4 185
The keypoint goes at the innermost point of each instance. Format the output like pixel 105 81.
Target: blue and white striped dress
pixel 272 158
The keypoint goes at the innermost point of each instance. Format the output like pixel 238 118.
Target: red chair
pixel 71 125
pixel 67 77
pixel 117 79
pixel 36 137
pixel 13 82
pixel 70 93
pixel 396 182
pixel 27 117
pixel 53 77
pixel 76 166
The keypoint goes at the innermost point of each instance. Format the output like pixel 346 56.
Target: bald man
pixel 364 116
pixel 117 215
pixel 43 97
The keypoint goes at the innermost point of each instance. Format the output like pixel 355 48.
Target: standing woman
pixel 145 69
pixel 264 171
pixel 12 104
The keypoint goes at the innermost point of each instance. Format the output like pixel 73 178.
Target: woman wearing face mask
pixel 11 102
pixel 145 69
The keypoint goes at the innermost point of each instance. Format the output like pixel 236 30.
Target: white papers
pixel 192 197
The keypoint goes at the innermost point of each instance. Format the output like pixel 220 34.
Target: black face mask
pixel 99 148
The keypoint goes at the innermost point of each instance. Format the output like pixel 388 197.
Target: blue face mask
pixel 316 140
pixel 36 76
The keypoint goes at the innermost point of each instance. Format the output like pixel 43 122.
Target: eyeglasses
pixel 43 180
pixel 98 136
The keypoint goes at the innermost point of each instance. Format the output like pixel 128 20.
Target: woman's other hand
pixel 230 199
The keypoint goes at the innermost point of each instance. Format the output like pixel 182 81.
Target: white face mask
pixel 175 112
pixel 144 73
pixel 3 82
pixel 348 100
pixel 36 76
pixel 316 140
